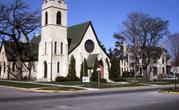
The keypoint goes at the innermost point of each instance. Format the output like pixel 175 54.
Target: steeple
pixel 53 47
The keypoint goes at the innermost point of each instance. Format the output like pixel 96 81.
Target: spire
pixel 59 1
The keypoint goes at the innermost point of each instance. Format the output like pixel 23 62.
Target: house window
pixel 58 67
pixel 61 48
pixel 46 18
pixel 55 47
pixel 45 69
pixel 163 70
pixel 4 67
pixel 58 17
pixel 163 60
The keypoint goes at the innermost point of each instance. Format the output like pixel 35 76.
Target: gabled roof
pixel 36 39
pixel 28 53
pixel 156 51
pixel 75 35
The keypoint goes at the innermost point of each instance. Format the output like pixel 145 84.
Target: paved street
pixel 143 100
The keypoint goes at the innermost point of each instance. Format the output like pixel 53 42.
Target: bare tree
pixel 143 33
pixel 174 48
pixel 18 21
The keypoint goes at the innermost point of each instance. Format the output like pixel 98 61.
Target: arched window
pixel 55 47
pixel 4 67
pixel 163 60
pixel 45 47
pixel 59 18
pixel 58 67
pixel 45 69
pixel 163 70
pixel 46 18
pixel 13 67
pixel 61 48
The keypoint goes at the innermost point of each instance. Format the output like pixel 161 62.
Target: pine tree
pixel 94 76
pixel 107 62
pixel 81 71
pixel 115 69
pixel 85 67
pixel 72 69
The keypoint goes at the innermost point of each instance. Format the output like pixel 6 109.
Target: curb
pixel 39 91
pixel 167 92
pixel 47 91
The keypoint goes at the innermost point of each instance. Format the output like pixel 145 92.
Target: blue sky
pixel 107 15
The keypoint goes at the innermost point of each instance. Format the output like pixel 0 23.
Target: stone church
pixel 56 44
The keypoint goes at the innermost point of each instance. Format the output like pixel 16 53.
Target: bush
pixel 61 79
pixel 118 79
pixel 77 79
pixel 103 80
pixel 127 74
pixel 94 76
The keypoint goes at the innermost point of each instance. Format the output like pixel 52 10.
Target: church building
pixel 57 43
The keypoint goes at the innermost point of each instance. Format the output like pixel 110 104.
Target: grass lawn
pixel 40 86
pixel 173 90
pixel 109 85
pixel 146 81
pixel 21 85
pixel 95 84
pixel 71 83
pixel 162 82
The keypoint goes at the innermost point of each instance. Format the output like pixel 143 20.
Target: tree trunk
pixel 29 69
pixel 19 69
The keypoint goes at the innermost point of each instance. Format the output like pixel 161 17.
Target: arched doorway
pixel 45 69
pixel 102 69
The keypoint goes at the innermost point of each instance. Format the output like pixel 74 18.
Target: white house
pixel 53 49
pixel 160 67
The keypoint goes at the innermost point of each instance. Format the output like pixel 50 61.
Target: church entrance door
pixel 102 69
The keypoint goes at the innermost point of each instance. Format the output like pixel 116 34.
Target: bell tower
pixel 53 47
